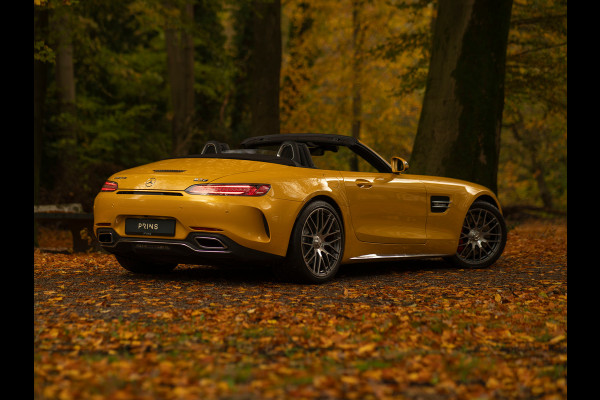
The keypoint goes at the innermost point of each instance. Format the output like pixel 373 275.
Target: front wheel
pixel 482 237
pixel 317 243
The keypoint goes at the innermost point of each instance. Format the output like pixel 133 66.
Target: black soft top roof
pixel 316 138
pixel 311 140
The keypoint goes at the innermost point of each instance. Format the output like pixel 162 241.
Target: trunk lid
pixel 180 173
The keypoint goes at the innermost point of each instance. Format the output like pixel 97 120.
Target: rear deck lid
pixel 179 173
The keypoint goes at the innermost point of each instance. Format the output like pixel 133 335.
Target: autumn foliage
pixel 412 329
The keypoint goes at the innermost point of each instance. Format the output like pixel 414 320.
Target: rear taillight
pixel 109 186
pixel 229 189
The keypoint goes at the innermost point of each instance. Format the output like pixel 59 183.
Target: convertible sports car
pixel 305 203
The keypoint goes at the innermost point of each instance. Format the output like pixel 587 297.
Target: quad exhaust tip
pixel 210 243
pixel 105 237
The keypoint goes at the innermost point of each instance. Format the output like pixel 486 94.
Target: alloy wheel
pixel 321 241
pixel 481 237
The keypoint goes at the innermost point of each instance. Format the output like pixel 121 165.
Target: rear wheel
pixel 317 243
pixel 144 266
pixel 482 237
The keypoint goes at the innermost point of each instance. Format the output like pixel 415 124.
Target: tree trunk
pixel 66 175
pixel 40 73
pixel 180 66
pixel 240 102
pixel 299 58
pixel 65 75
pixel 459 128
pixel 357 64
pixel 265 67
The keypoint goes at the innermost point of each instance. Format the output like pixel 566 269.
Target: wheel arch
pixel 329 200
pixel 489 199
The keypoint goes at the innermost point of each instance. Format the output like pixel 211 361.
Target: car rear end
pixel 191 211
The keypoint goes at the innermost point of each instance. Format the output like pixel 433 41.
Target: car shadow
pixel 255 275
pixel 386 269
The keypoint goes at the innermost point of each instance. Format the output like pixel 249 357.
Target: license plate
pixel 150 227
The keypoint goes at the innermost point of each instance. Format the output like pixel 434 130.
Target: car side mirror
pixel 399 165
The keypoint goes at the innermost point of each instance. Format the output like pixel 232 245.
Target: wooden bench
pixel 72 216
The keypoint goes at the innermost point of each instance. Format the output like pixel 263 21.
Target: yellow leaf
pixel 181 392
pixel 367 348
pixel 166 366
pixel 492 383
pixel 413 376
pixel 351 380
pixel 127 335
pixel 527 338
pixel 557 339
pixel 374 374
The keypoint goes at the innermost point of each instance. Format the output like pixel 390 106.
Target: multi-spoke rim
pixel 480 237
pixel 321 241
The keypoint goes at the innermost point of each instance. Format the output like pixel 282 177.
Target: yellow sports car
pixel 305 203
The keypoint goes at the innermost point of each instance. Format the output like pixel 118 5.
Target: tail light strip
pixel 109 186
pixel 209 189
pixel 229 189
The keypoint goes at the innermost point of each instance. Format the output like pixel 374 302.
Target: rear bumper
pixel 196 248
pixel 260 223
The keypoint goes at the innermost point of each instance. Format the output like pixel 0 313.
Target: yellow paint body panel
pixel 383 213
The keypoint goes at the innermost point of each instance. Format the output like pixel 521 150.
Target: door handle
pixel 363 183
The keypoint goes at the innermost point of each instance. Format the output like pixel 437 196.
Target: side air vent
pixel 439 204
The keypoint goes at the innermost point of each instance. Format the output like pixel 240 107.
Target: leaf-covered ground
pixel 411 329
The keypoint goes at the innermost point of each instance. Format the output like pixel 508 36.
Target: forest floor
pixel 404 330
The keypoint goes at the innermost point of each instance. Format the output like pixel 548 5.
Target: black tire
pixel 482 237
pixel 142 266
pixel 316 244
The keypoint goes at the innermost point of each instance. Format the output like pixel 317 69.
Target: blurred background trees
pixel 121 83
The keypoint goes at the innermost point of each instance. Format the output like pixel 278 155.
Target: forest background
pixel 119 83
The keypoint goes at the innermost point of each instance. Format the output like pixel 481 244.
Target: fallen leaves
pixel 405 330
